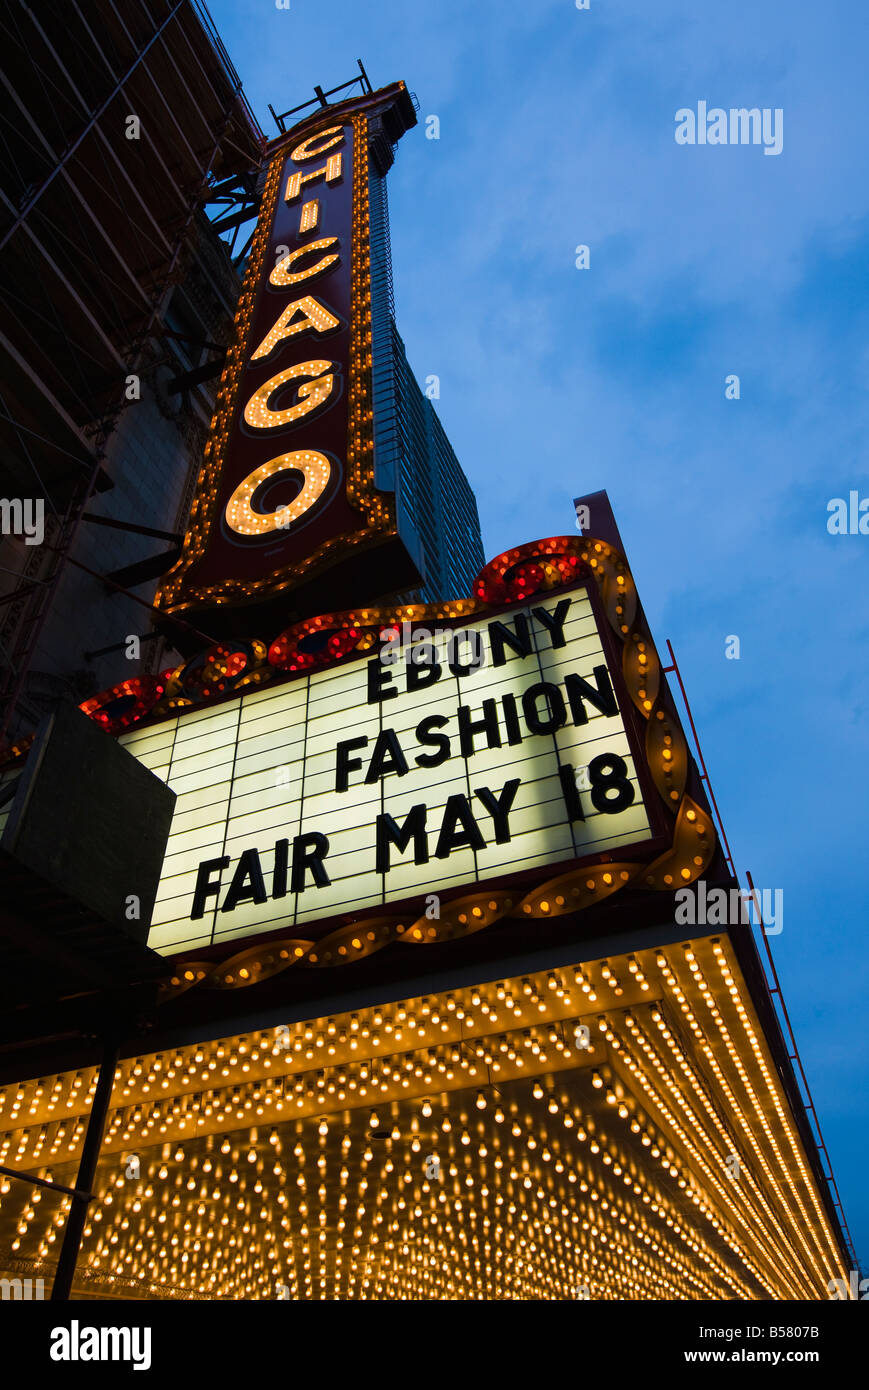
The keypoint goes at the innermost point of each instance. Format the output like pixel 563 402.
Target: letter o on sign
pixel 245 521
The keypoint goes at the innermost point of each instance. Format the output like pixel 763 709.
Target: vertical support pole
pixel 87 1168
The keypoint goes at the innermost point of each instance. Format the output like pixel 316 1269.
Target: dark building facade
pixel 115 287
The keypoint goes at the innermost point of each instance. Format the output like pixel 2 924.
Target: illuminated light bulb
pixel 499 1116
pixel 311 392
pixel 373 1120
pixel 323 1128
pixel 480 1101
pixel 466 1138
pixel 596 1080
pixel 537 1091
pixel 552 1106
pixel 282 277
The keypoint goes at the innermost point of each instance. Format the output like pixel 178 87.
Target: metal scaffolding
pixel 111 145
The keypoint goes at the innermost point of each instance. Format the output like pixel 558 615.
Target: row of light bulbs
pixel 523 1180
pixel 752 1245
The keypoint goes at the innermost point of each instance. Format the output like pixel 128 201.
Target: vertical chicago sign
pixel 286 493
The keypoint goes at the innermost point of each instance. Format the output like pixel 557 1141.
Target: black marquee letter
pixel 204 887
pixel 602 698
pixel 488 725
pixel 422 673
pixel 425 735
pixel 279 877
pixel 247 882
pixel 379 679
pixel 387 757
pixel 556 712
pixel 309 851
pixel 554 622
pixel 499 807
pixel 570 792
pixel 477 654
pixel 458 828
pixel 389 832
pixel 501 636
pixel 344 765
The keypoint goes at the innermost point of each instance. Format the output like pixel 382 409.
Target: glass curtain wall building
pixel 436 506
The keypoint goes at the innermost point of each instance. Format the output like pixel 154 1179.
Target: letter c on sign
pixel 309 150
pixel 283 276
pixel 316 471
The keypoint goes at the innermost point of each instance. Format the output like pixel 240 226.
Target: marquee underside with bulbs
pixel 558 1134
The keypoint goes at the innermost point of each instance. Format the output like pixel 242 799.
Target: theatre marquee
pixel 496 748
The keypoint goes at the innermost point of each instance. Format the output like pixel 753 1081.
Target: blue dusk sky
pixel 557 129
